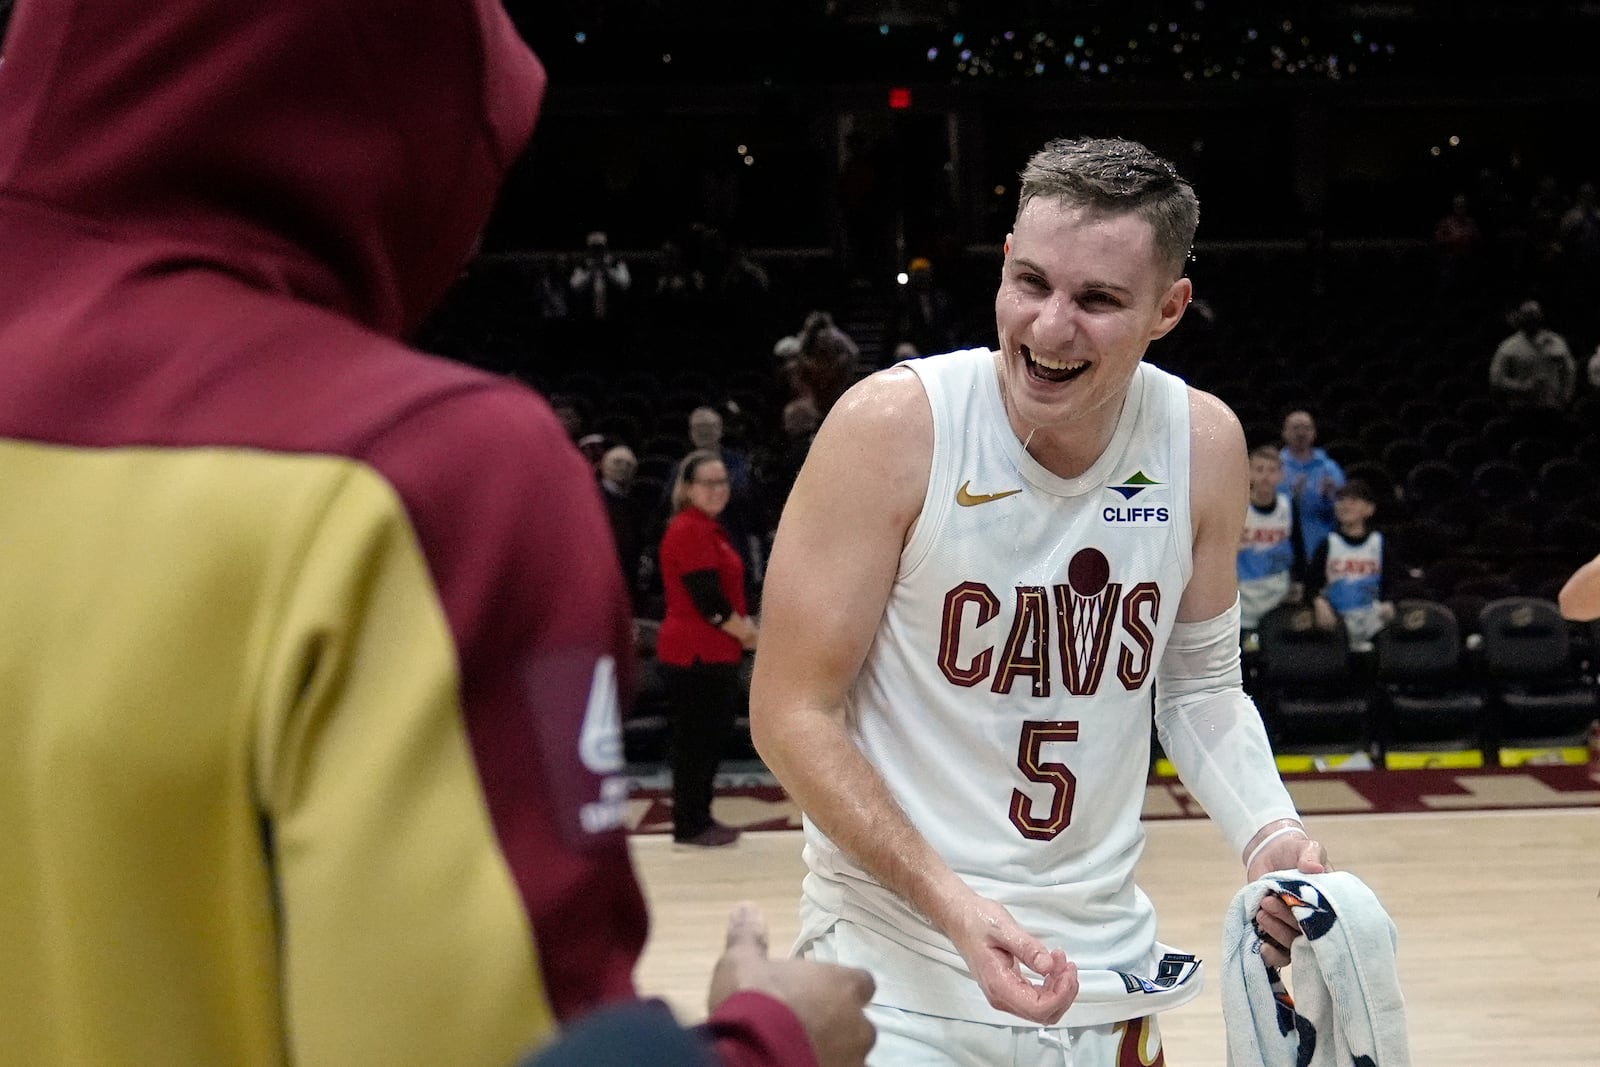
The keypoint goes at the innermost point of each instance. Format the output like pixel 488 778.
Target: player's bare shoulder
pixel 891 401
pixel 1218 469
pixel 1214 429
pixel 878 441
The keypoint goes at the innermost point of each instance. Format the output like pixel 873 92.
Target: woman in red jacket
pixel 702 640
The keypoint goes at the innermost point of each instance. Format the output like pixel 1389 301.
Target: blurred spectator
pixel 701 643
pixel 741 515
pixel 593 446
pixel 1580 226
pixel 1349 576
pixel 781 464
pixel 627 515
pixel 1533 368
pixel 1545 208
pixel 827 364
pixel 1310 477
pixel 680 288
pixel 600 281
pixel 785 351
pixel 550 288
pixel 1271 558
pixel 742 279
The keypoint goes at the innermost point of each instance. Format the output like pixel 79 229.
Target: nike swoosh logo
pixel 972 500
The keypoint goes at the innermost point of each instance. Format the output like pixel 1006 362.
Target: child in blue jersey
pixel 1350 575
pixel 1271 560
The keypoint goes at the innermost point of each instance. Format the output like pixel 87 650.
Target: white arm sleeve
pixel 1212 732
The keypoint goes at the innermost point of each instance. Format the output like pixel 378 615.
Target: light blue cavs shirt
pixel 1006 700
pixel 1353 571
pixel 1266 558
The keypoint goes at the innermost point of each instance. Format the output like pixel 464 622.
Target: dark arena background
pixel 833 143
pixel 1381 184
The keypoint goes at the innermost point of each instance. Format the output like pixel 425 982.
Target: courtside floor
pixel 1498 913
pixel 749 798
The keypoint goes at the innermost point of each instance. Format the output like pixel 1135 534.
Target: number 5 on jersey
pixel 1030 760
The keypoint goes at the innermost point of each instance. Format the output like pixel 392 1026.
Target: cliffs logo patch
pixel 1133 486
pixel 1137 500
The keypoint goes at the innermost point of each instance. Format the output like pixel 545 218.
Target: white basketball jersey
pixel 1007 698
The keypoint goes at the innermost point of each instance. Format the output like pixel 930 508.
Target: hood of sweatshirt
pixel 345 153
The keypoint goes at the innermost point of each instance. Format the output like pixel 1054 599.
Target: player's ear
pixel 1172 307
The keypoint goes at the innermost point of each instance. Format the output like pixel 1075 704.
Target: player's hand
pixel 1274 921
pixel 829 1000
pixel 996 949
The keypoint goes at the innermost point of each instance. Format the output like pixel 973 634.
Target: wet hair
pixel 691 463
pixel 1115 177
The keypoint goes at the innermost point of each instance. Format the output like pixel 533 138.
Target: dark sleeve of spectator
pixel 1386 571
pixel 1317 572
pixel 1297 566
pixel 705 590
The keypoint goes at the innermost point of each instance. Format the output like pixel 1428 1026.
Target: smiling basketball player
pixel 989 560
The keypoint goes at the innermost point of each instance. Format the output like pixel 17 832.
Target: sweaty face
pixel 1081 297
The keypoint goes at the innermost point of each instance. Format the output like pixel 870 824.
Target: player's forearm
pixel 819 765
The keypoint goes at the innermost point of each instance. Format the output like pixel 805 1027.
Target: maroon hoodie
pixel 309 678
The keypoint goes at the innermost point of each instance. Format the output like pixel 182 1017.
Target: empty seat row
pixel 1528 684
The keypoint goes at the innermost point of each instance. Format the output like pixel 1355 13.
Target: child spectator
pixel 1271 559
pixel 1349 576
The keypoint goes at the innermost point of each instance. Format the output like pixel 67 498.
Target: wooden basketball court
pixel 1498 913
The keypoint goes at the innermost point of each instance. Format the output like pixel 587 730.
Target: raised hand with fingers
pixel 997 949
pixel 1282 848
pixel 829 1000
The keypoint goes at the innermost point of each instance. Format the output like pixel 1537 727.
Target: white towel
pixel 1346 1008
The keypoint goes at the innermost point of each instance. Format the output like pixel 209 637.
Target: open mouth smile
pixel 1048 370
